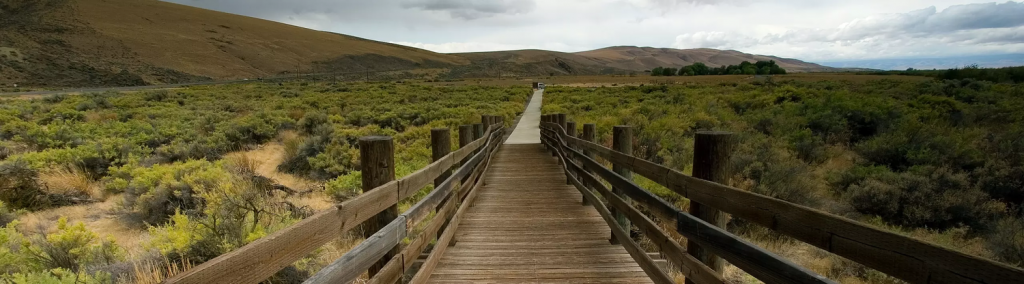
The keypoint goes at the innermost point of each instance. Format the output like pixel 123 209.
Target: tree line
pixel 744 68
pixel 998 75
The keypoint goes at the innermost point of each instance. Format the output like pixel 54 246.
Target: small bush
pixel 927 197
pixel 345 187
pixel 154 194
pixel 71 248
pixel 312 121
pixel 1007 240
pixel 20 187
pixel 7 214
pixel 769 170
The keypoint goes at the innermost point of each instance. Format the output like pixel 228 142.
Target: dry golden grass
pixel 73 182
pixel 315 200
pixel 155 272
pixel 265 159
pixel 98 116
pixel 103 218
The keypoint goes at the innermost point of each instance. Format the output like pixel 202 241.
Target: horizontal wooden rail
pixel 760 263
pixel 401 263
pixel 356 261
pixel 903 257
pixel 448 236
pixel 263 258
pixel 645 261
pixel 687 264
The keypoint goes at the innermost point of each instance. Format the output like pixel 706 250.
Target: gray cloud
pixel 473 9
pixel 805 29
pixel 915 24
pixel 975 16
pixel 926 30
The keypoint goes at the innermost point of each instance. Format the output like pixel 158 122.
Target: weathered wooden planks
pixel 527 225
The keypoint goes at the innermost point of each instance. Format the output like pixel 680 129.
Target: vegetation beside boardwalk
pixel 942 160
pixel 161 155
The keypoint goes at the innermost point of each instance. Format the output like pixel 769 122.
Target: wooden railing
pixel 263 258
pixel 896 255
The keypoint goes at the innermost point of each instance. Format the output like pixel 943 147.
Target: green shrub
pixel 156 193
pixel 808 147
pixel 926 197
pixel 7 214
pixel 74 247
pixel 58 276
pixel 1007 240
pixel 20 187
pixel 70 249
pixel 313 121
pixel 345 187
pixel 771 171
pixel 1002 181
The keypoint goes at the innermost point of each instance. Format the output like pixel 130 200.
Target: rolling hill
pixel 122 42
pixel 133 42
pixel 646 58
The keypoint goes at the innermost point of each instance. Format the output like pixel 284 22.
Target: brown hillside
pixel 646 58
pixel 90 40
pixel 530 62
pixel 136 42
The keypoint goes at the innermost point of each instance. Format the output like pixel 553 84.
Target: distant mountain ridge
pixel 646 58
pixel 92 43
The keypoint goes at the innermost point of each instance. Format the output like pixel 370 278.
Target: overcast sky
pixel 814 30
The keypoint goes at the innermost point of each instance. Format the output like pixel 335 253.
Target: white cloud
pixel 804 29
pixel 717 40
pixel 958 29
pixel 473 9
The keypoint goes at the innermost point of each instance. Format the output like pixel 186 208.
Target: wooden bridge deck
pixel 527 225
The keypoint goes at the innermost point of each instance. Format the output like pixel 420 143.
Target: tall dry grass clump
pixel 71 182
pixel 155 272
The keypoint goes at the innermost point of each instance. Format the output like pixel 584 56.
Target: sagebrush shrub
pixel 936 198
pixel 1007 240
pixel 20 187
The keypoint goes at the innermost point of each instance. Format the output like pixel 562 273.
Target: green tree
pixel 669 72
pixel 657 71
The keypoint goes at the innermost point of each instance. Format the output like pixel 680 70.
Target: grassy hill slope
pixel 90 42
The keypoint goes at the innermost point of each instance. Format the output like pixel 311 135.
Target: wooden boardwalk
pixel 528 226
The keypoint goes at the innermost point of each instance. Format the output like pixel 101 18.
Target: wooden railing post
pixel 478 131
pixel 465 137
pixel 711 153
pixel 553 118
pixel 486 120
pixel 560 120
pixel 622 141
pixel 570 130
pixel 377 160
pixel 440 145
pixel 589 134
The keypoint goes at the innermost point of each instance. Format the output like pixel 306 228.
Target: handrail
pixel 896 255
pixel 362 257
pixel 266 256
pixel 448 236
pixel 689 266
pixel 760 263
